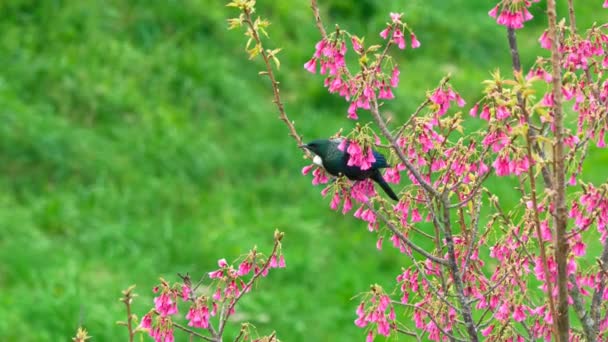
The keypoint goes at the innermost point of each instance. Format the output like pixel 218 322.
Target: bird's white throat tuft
pixel 317 161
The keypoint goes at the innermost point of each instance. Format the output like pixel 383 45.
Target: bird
pixel 335 162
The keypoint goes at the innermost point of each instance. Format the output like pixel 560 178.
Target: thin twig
pixel 194 333
pixel 319 23
pixel 430 315
pixel 402 237
pixel 275 84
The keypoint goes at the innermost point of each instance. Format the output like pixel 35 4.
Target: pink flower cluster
pixel 443 97
pixel 165 305
pixel 162 331
pixel 512 13
pixel 199 314
pixel 500 112
pixel 578 55
pixel 330 55
pixel 319 174
pixel 593 203
pixel 357 156
pixel 369 84
pixel 377 311
pixel 229 287
pixel 397 27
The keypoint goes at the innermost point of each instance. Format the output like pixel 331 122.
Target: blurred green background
pixel 137 141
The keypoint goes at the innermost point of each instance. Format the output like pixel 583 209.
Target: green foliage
pixel 137 141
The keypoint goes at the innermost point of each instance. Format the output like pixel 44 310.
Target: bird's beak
pixel 303 146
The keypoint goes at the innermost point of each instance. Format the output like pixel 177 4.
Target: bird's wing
pixel 334 153
pixel 380 160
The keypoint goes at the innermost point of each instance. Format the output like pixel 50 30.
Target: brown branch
pixel 516 61
pixel 473 233
pixel 408 333
pixel 579 307
pixel 127 299
pixel 402 237
pixel 430 315
pixel 534 198
pixel 393 141
pixel 596 300
pixel 514 50
pixel 241 333
pixel 270 73
pixel 560 215
pixel 315 11
pixel 194 333
pixel 572 16
pixel 465 304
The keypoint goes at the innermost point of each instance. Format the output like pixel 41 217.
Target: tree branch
pixel 275 84
pixel 319 23
pixel 559 188
pixel 194 333
pixel 402 237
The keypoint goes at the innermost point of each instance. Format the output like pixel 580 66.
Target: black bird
pixel 329 156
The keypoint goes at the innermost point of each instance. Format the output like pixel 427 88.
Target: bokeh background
pixel 137 141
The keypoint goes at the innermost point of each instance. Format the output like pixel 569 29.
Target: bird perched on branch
pixel 335 161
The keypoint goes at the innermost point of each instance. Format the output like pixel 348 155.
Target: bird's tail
pixel 377 177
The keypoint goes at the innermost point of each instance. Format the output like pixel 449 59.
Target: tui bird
pixel 328 156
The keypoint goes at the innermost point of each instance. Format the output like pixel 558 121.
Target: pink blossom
pixel 487 331
pixel 273 262
pixel 311 65
pixel 282 261
pixel 319 176
pixel 383 328
pixel 244 268
pixel 502 113
pixel 146 321
pixel 164 305
pixel 398 39
pixel 198 316
pixel 473 111
pixel 385 92
pixel 352 111
pixel 510 19
pixel 502 166
pixel 356 44
pixel 186 292
pixel 395 77
pixel 306 169
pixel 605 4
pixel 579 248
pixel 385 32
pixel 335 201
pixel 519 314
pixel 547 100
pixel 545 230
pixel 416 217
pixel 485 113
pixel 379 243
pixel 217 295
pixel 357 157
pixel 392 174
pixel 395 17
pixel 415 41
pixel 493 13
